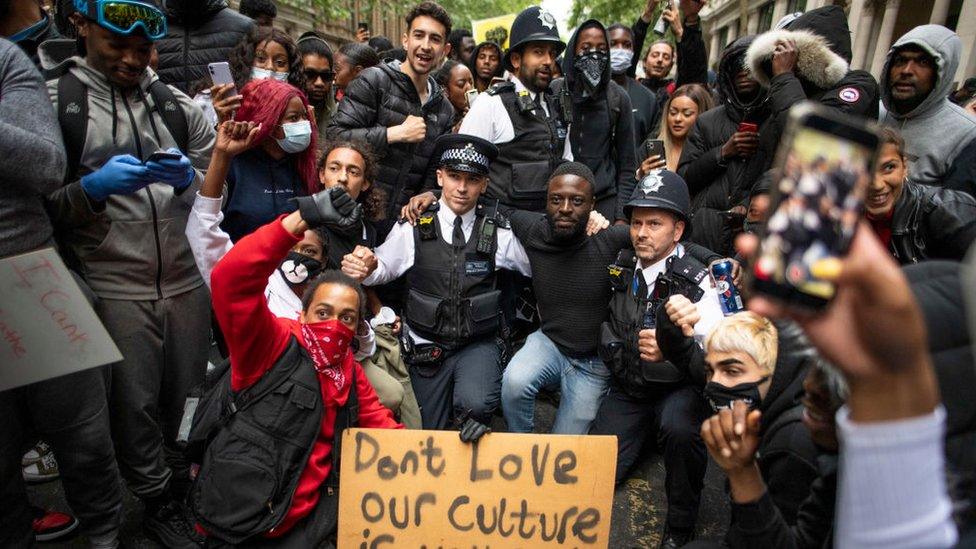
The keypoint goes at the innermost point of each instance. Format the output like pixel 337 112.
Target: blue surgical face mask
pixel 620 60
pixel 258 73
pixel 298 136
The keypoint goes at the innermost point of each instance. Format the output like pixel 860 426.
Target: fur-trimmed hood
pixel 815 63
pixel 823 40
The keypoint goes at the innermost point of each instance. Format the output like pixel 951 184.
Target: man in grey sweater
pixel 68 412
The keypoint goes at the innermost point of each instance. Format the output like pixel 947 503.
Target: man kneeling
pixel 269 476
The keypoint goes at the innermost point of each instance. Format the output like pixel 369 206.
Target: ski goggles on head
pixel 125 16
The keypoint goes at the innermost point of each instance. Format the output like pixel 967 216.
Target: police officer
pixel 522 117
pixel 452 312
pixel 657 286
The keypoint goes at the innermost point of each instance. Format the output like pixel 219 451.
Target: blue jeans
pixel 538 365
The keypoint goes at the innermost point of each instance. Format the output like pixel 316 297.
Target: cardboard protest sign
pixel 412 489
pixel 47 327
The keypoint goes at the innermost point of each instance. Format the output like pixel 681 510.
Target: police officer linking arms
pixel 521 118
pixel 292 380
pixel 453 314
pixel 652 277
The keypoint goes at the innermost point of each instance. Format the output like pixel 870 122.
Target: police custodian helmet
pixel 534 24
pixel 664 190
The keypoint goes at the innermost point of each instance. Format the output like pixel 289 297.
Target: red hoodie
pixel 256 339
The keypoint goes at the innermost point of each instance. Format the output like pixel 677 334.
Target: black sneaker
pixel 169 525
pixel 673 539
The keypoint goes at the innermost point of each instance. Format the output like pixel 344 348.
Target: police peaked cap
pixel 534 24
pixel 465 153
pixel 662 189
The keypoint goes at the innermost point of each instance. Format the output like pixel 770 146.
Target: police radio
pixel 486 236
pixel 525 103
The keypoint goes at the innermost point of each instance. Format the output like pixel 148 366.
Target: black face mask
pixel 297 269
pixel 592 68
pixel 720 396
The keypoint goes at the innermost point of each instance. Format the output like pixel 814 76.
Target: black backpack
pixel 73 116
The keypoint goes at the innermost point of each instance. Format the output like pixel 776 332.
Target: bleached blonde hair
pixel 748 333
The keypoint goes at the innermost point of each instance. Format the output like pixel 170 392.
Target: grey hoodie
pixel 32 162
pixel 131 246
pixel 936 130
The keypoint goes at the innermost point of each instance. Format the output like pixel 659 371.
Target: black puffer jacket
pixel 932 223
pixel 937 287
pixel 200 32
pixel 381 97
pixel 717 186
pixel 822 74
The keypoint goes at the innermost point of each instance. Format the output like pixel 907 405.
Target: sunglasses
pixel 312 76
pixel 124 16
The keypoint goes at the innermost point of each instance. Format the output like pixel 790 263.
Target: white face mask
pixel 620 60
pixel 261 74
pixel 298 136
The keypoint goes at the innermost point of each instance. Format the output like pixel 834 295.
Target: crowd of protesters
pixel 431 235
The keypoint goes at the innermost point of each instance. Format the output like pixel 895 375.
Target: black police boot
pixel 674 538
pixel 166 521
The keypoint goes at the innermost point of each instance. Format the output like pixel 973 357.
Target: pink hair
pixel 264 102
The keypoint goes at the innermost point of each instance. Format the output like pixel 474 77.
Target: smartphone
pixel 471 95
pixel 163 155
pixel 662 26
pixel 220 75
pixel 733 220
pixel 825 163
pixel 363 26
pixel 747 127
pixel 652 147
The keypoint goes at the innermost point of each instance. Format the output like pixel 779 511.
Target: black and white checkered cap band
pixel 466 155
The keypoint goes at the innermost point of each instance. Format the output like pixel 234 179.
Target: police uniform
pixel 527 127
pixel 452 315
pixel 661 394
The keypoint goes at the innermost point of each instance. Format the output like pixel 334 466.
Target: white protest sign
pixel 47 327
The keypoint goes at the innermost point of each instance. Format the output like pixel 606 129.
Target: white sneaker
pixel 34 454
pixel 42 470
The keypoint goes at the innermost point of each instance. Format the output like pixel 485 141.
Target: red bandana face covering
pixel 328 342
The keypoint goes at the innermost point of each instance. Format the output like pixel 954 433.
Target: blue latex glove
pixel 176 173
pixel 122 174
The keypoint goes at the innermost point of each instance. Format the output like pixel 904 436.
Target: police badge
pixel 651 183
pixel 547 19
